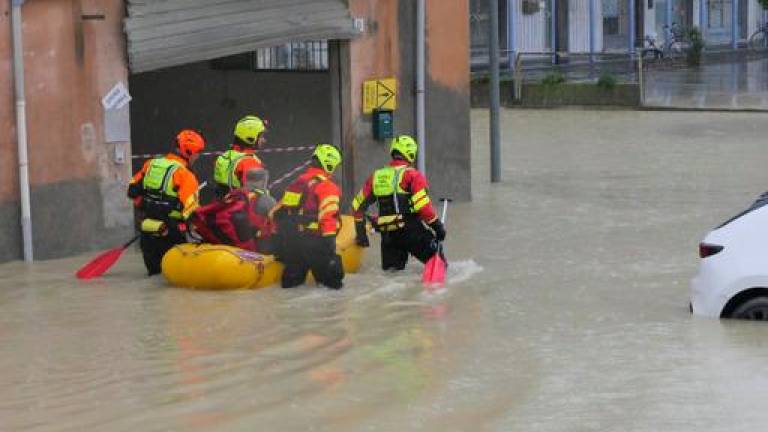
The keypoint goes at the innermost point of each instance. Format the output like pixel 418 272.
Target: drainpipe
pixel 421 67
pixel 21 129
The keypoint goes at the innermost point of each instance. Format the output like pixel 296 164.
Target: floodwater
pixel 735 85
pixel 565 310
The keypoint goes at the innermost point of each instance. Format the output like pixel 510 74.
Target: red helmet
pixel 189 143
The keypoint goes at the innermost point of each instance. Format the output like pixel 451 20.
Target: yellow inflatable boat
pixel 220 267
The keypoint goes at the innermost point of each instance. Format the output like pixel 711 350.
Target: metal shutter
pixel 164 33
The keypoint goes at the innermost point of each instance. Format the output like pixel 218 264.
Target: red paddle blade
pixel 100 264
pixel 434 271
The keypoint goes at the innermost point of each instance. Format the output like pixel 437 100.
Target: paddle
pixel 434 269
pixel 99 265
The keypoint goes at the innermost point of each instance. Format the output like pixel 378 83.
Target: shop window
pixel 531 7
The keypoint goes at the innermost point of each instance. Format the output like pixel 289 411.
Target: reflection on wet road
pixel 737 85
pixel 566 309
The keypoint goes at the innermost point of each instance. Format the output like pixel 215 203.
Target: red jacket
pixel 316 198
pixel 233 221
pixel 247 163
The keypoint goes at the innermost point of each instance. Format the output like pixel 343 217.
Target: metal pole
pixel 632 28
pixel 553 30
pixel 702 16
pixel 421 64
pixel 734 24
pixel 495 96
pixel 640 80
pixel 591 31
pixel 21 129
pixel 511 29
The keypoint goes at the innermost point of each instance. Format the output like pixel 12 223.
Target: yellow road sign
pixel 379 94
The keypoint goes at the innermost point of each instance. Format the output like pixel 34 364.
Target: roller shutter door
pixel 165 33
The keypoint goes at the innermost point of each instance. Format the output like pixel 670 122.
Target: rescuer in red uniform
pixel 405 209
pixel 308 221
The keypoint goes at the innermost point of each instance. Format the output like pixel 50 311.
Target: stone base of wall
pixel 67 219
pixel 536 95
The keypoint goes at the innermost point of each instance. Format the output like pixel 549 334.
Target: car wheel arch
pixel 741 298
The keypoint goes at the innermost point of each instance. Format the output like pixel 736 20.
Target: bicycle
pixel 759 39
pixel 674 44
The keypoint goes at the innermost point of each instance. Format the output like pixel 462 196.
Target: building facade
pixel 609 26
pixel 204 66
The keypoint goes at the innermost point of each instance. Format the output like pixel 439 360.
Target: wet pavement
pixel 565 310
pixel 737 85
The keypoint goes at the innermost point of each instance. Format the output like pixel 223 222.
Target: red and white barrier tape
pixel 290 174
pixel 217 153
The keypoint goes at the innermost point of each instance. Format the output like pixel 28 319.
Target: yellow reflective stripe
pixel 358 201
pixel 329 200
pixel 330 209
pixel 383 220
pixel 421 203
pixel 419 195
pixel 189 210
pixel 291 199
pixel 313 226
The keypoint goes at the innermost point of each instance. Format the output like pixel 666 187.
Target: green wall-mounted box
pixel 383 127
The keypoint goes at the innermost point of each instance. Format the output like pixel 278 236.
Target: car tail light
pixel 706 249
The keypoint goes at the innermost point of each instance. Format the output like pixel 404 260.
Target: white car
pixel 732 281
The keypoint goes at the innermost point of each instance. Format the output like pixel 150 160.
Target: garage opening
pixel 207 66
pixel 290 86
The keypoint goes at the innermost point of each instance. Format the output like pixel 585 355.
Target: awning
pixel 164 33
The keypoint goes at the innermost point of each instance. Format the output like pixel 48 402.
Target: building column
pixel 591 31
pixel 734 24
pixel 632 26
pixel 553 30
pixel 512 6
pixel 668 22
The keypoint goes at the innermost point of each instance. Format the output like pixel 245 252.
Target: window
pixel 294 56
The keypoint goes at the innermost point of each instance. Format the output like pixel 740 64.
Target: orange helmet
pixel 189 143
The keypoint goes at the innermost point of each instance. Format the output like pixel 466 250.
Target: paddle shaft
pixel 131 241
pixel 445 210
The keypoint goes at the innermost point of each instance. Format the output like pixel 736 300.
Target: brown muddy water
pixel 565 310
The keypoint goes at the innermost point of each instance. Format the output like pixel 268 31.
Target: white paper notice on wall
pixel 117 125
pixel 117 98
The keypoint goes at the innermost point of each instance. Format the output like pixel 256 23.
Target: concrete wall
pixel 9 207
pixel 70 64
pixel 296 104
pixel 387 49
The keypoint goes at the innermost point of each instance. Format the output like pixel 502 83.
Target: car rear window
pixel 760 202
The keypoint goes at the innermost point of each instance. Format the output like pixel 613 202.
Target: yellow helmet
pixel 329 157
pixel 406 146
pixel 249 128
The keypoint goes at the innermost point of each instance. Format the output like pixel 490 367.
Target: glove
pixel 362 236
pixel 439 230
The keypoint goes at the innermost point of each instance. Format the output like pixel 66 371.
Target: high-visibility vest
pixel 394 202
pixel 161 199
pixel 226 165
